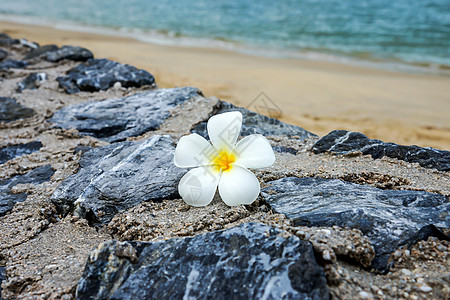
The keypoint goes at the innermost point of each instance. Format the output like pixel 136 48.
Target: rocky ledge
pixel 89 206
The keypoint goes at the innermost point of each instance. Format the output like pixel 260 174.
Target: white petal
pixel 254 151
pixel 238 186
pixel 224 129
pixel 198 186
pixel 193 151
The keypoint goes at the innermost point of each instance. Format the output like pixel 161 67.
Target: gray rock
pixel 344 142
pixel 256 123
pixel 282 149
pixel 69 52
pixel 2 277
pixel 116 119
pixel 10 110
pixel 11 152
pixel 101 74
pixel 251 261
pixel 35 176
pixel 40 51
pixel 6 40
pixel 3 54
pixel 389 218
pixel 32 81
pixel 116 177
pixel 12 64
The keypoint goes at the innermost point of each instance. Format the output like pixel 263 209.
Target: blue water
pixel 408 31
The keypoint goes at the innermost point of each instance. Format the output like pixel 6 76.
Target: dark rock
pixel 251 261
pixel 12 64
pixel 116 119
pixel 35 176
pixel 40 51
pixel 116 177
pixel 69 52
pixel 11 152
pixel 2 277
pixel 32 81
pixel 389 218
pixel 282 149
pixel 344 142
pixel 3 54
pixel 101 74
pixel 10 110
pixel 256 123
pixel 6 40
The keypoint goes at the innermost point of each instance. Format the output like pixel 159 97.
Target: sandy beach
pixel 318 96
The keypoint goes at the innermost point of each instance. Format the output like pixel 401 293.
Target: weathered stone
pixel 41 51
pixel 256 123
pixel 6 40
pixel 2 277
pixel 344 142
pixel 389 218
pixel 282 149
pixel 3 54
pixel 12 64
pixel 251 261
pixel 11 152
pixel 49 264
pixel 69 52
pixel 116 177
pixel 101 74
pixel 35 176
pixel 116 119
pixel 10 110
pixel 32 81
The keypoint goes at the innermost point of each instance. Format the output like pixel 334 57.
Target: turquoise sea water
pixel 405 31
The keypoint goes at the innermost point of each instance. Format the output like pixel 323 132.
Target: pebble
pixel 406 272
pixel 397 254
pixel 425 288
pixel 365 295
pixel 117 85
pixel 326 255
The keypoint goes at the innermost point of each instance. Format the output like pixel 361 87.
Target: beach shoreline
pixel 319 96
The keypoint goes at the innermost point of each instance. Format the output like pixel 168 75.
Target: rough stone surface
pixel 3 54
pixel 53 267
pixel 40 51
pixel 6 40
pixel 2 277
pixel 389 218
pixel 346 142
pixel 8 198
pixel 10 110
pixel 251 261
pixel 282 149
pixel 159 221
pixel 101 74
pixel 116 119
pixel 32 81
pixel 12 64
pixel 116 177
pixel 11 152
pixel 69 52
pixel 256 123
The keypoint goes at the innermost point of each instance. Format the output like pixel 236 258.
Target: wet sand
pixel 318 96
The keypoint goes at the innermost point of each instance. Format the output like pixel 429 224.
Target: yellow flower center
pixel 223 161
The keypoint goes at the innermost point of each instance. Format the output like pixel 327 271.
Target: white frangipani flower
pixel 222 163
